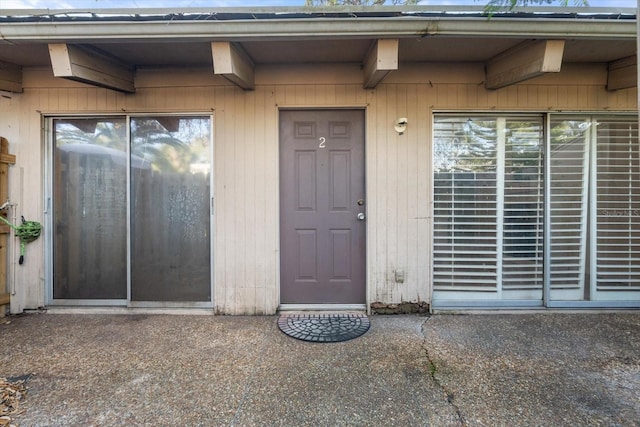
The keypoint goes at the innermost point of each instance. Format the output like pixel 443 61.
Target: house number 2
pixel 323 142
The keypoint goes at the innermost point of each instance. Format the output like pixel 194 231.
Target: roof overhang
pixel 184 37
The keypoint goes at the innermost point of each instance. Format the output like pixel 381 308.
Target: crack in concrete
pixel 245 394
pixel 433 369
pixel 248 387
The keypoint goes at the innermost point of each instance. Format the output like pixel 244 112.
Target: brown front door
pixel 322 207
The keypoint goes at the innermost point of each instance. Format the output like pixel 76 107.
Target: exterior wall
pixel 246 158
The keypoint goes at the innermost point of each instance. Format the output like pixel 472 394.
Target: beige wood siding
pixel 246 248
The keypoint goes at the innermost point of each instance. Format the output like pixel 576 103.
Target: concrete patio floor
pixel 546 369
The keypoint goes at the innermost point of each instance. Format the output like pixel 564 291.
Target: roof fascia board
pixel 301 29
pixel 317 10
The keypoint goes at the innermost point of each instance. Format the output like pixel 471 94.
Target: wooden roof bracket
pixel 233 63
pixel 524 61
pixel 92 66
pixel 381 59
pixel 623 73
pixel 10 77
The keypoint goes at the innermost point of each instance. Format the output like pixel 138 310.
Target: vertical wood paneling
pixel 25 183
pixel 388 181
pixel 472 95
pixel 561 98
pixel 378 201
pixel 402 145
pixel 412 279
pixel 532 95
pixel 246 188
pixel 271 210
pixel 10 117
pixel 221 207
pixel 229 214
pixel 492 100
pixel 422 256
pixel 250 169
pixel 258 201
pixel 398 233
pixel 371 153
pixel 236 131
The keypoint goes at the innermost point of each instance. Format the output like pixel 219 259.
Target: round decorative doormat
pixel 324 327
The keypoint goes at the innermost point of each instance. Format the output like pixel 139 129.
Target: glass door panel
pixel 89 209
pixel 616 257
pixel 488 208
pixel 522 242
pixel 595 209
pixel 569 177
pixel 170 209
pixel 465 261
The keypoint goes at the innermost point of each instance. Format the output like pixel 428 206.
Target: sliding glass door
pixel 616 271
pixel 170 200
pixel 490 183
pixel 131 200
pixel 488 208
pixel 595 209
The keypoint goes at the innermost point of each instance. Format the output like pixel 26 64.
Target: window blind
pixel 618 206
pixel 488 204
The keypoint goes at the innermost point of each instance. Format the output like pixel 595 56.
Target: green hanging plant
pixel 28 231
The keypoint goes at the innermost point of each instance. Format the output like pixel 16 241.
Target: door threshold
pixel 129 310
pixel 322 308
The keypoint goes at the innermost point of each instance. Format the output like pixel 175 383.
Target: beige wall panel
pixel 246 156
pixel 221 207
pixel 225 187
pixel 376 152
pixel 44 78
pixel 236 116
pixel 397 192
pixel 10 125
pixel 422 256
pixel 416 172
pixel 532 98
pixel 372 152
pixel 25 181
pixel 270 208
pixel 437 73
pixel 406 194
pixel 246 201
pixel 251 169
pixel 387 259
pixel 319 74
pixel 257 202
pixel 189 77
pixel 473 73
pixel 575 74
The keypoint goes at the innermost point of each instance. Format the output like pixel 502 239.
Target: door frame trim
pixel 329 107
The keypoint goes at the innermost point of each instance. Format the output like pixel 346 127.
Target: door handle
pixel 361 216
